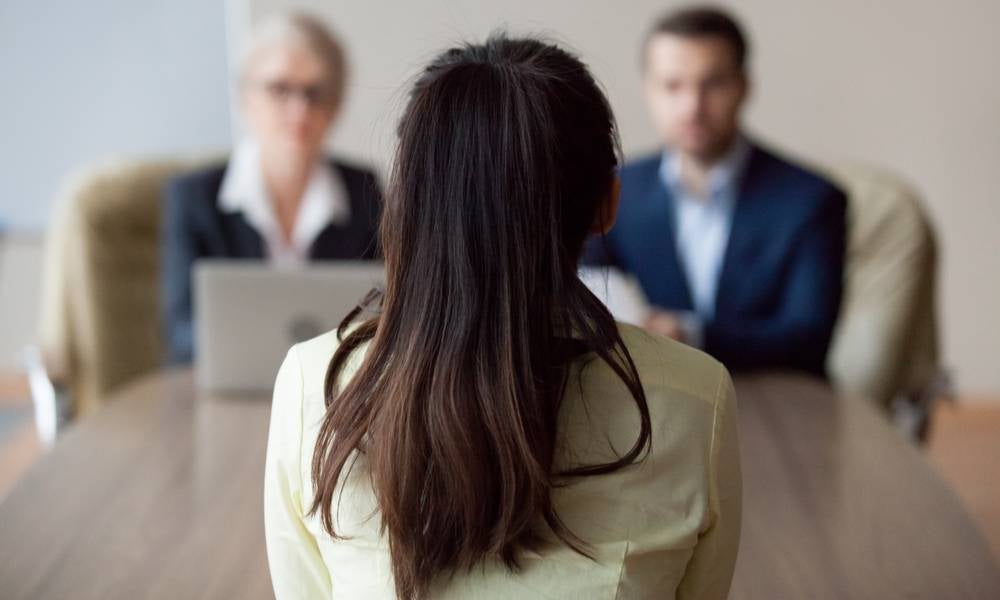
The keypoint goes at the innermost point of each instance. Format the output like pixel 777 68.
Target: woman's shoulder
pixel 193 194
pixel 664 365
pixel 667 365
pixel 313 357
pixel 205 180
pixel 299 399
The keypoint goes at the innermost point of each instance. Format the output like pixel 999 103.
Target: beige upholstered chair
pixel 885 346
pixel 100 324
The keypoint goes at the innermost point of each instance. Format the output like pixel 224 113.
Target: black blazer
pixel 194 227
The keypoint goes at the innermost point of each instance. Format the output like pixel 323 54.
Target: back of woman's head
pixel 506 157
pixel 507 138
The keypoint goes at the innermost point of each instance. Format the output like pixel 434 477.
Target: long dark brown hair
pixel 506 153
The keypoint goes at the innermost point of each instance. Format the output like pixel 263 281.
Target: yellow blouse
pixel 667 527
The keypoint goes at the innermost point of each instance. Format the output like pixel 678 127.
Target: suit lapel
pixel 242 240
pixel 665 282
pixel 335 241
pixel 331 243
pixel 750 223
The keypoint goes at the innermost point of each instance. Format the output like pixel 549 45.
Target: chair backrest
pixel 886 341
pixel 100 302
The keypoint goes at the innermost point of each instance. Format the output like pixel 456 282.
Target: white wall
pixel 908 85
pixel 83 81
pixel 913 86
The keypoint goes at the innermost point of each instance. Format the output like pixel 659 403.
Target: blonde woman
pixel 279 197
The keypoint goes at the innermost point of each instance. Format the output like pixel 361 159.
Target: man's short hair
pixel 700 21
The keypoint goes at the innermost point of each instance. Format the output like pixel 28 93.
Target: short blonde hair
pixel 304 30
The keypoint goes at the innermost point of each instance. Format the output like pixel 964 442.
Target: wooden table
pixel 159 496
pixel 837 505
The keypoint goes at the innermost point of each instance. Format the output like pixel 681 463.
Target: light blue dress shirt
pixel 701 229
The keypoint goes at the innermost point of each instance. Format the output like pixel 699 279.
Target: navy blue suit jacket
pixel 194 227
pixel 781 280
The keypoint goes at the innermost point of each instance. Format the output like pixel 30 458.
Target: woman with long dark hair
pixel 491 432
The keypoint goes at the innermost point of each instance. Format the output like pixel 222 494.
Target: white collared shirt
pixel 702 225
pixel 324 201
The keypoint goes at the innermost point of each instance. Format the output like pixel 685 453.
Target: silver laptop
pixel 248 314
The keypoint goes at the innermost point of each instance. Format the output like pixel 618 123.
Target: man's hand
pixel 663 322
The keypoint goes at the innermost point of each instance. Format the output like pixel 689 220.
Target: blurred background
pixel 909 87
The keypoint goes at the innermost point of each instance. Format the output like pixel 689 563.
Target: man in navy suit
pixel 739 251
